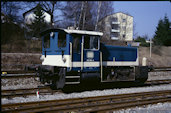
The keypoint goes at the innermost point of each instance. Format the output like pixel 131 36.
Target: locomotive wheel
pixel 59 81
pixel 41 76
pixel 42 80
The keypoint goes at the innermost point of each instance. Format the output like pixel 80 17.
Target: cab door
pixel 76 48
pixel 91 53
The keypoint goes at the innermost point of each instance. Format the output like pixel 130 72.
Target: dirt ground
pixel 161 56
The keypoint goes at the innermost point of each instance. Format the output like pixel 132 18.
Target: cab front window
pixel 61 39
pixel 47 41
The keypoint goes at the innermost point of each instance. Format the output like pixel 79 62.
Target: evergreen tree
pixel 142 41
pixel 162 34
pixel 38 24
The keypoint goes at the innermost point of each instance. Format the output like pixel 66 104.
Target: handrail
pixel 70 55
pixel 82 56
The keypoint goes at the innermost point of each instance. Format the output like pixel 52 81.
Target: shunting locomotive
pixel 77 56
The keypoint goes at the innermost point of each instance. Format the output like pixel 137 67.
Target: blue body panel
pixel 96 55
pixel 54 50
pixel 121 53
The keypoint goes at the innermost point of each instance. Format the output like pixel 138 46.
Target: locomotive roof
pixel 74 31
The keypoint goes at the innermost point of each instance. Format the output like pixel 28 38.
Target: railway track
pixel 159 69
pixel 91 104
pixel 25 92
pixel 22 73
pixel 158 82
pixel 47 90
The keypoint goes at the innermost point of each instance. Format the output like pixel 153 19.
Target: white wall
pixel 128 24
pixel 30 16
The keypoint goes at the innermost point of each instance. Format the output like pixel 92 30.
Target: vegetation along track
pixel 25 92
pixel 91 104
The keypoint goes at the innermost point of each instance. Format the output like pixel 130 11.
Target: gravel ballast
pixel 151 108
pixel 93 93
pixel 19 83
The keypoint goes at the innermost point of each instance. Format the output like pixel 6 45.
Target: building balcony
pixel 115 22
pixel 115 38
pixel 115 30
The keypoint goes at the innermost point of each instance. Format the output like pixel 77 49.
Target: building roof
pixel 32 10
pixel 70 31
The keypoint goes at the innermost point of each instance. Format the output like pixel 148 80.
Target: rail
pixel 25 92
pixel 91 104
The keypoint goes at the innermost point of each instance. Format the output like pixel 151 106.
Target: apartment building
pixel 118 26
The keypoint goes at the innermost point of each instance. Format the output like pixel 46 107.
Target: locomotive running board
pixel 77 81
pixel 72 76
pixel 72 82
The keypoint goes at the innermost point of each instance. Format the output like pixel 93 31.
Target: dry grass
pixel 161 56
pixel 18 60
pixel 22 46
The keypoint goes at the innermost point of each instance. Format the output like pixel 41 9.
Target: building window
pixel 124 28
pixel 114 19
pixel 114 35
pixel 115 26
pixel 124 20
pixel 123 35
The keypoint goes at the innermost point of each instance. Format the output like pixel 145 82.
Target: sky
pixel 146 14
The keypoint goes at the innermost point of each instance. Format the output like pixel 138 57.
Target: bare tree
pixel 50 7
pixel 105 9
pixel 81 13
pixel 84 14
pixel 98 13
pixel 135 33
pixel 72 13
pixel 11 9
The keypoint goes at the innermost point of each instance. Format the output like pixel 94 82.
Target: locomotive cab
pixel 70 56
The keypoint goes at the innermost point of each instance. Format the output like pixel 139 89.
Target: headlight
pixel 52 34
pixel 64 59
pixel 42 58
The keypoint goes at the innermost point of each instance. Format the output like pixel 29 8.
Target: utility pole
pixel 98 13
pixel 150 47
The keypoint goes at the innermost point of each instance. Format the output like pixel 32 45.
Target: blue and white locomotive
pixel 77 56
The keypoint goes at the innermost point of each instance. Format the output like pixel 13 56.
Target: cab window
pixel 47 41
pixel 91 42
pixel 76 44
pixel 61 39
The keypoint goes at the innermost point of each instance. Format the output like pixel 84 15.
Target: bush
pixel 142 41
